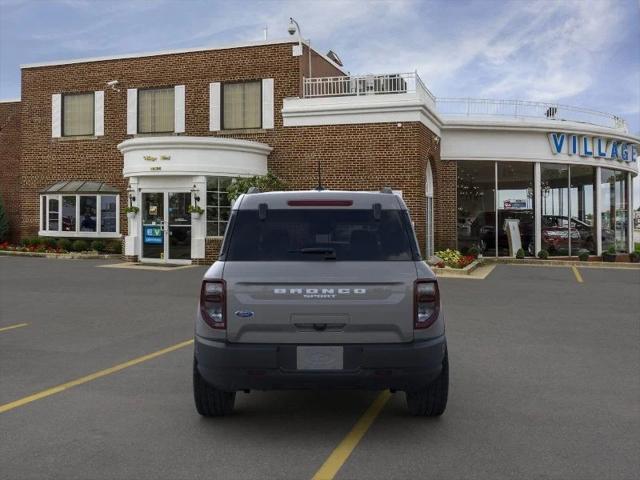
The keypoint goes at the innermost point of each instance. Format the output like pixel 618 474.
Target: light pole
pixel 293 28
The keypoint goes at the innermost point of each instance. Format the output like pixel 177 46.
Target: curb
pixel 563 263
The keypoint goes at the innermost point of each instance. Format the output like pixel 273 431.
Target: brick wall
pixel 358 157
pixel 10 163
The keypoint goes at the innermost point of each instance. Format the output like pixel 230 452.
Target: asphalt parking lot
pixel 545 383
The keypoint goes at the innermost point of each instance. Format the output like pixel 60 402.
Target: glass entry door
pixel 179 226
pixel 166 226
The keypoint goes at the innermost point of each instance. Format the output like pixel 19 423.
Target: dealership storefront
pixel 523 185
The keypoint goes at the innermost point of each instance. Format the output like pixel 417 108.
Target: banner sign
pixel 152 235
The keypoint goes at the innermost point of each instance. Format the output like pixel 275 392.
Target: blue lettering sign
pixel 614 155
pixel 153 235
pixel 573 146
pixel 557 142
pixel 601 150
pixel 586 148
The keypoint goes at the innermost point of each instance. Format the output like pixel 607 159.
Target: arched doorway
pixel 428 190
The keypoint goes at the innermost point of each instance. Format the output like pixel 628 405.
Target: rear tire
pixel 210 402
pixel 431 401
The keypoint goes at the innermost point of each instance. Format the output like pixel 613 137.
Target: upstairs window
pixel 156 110
pixel 241 105
pixel 78 114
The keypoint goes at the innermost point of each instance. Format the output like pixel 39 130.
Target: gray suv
pixel 320 289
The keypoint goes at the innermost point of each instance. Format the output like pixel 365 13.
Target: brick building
pixel 163 131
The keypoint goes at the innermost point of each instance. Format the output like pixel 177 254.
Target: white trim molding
pixel 182 155
pixel 395 108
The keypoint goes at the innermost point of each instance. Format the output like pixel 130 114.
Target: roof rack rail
pixel 253 190
pixel 386 190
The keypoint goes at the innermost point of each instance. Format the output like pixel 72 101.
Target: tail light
pixel 426 303
pixel 213 303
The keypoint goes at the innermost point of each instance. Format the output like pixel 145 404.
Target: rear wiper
pixel 329 253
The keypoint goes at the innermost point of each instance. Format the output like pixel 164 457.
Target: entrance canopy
pixel 80 186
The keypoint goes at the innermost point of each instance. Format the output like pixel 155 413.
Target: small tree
pixel 265 183
pixel 4 223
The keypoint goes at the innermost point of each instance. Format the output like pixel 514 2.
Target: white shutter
pixel 179 108
pixel 56 115
pixel 214 106
pixel 98 112
pixel 267 103
pixel 132 111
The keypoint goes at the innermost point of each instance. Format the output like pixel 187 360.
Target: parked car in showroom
pixel 320 289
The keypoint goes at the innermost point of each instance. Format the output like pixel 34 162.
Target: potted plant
pixel 195 210
pixel 520 254
pixel 543 254
pixel 634 257
pixel 583 255
pixel 131 212
pixel 610 255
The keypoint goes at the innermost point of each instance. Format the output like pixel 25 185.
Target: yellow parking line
pixel 11 327
pixel 577 274
pixel 102 373
pixel 342 452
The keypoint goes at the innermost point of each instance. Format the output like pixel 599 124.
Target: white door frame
pixel 165 227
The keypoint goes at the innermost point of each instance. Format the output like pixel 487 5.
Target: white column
pixel 630 212
pixel 214 107
pixel 598 212
pixel 199 226
pixel 537 196
pixel 98 112
pixel 179 109
pixel 132 239
pixel 56 115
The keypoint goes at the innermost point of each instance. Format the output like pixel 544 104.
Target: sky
pixel 576 52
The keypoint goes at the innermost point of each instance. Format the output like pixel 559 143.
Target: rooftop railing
pixel 477 107
pixel 399 83
pixel 357 85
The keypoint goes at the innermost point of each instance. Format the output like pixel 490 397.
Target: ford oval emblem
pixel 244 313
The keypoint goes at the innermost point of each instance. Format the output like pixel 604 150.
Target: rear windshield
pixel 318 234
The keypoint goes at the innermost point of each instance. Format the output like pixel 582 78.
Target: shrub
pixel 50 243
pixel 98 246
pixel 543 254
pixel 265 183
pixel 520 253
pixel 64 244
pixel 611 250
pixel 114 246
pixel 450 257
pixel 583 255
pixel 79 246
pixel 474 252
pixel 634 257
pixel 26 241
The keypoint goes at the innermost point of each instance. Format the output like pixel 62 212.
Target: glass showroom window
pixel 242 105
pixel 554 198
pixel 582 207
pixel 614 210
pixel 78 114
pixel 156 110
pixel 218 205
pixel 477 206
pixel 515 202
pixel 77 215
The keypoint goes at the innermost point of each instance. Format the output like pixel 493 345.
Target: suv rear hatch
pixel 320 275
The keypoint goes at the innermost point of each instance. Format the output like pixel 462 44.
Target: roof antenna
pixel 319 187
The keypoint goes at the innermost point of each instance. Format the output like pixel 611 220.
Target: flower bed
pixel 454 259
pixel 46 245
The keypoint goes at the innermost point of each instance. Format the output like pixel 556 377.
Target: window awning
pixel 80 186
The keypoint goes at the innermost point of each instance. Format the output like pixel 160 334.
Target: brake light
pixel 213 303
pixel 320 203
pixel 426 303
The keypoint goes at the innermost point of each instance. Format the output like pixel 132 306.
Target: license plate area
pixel 319 357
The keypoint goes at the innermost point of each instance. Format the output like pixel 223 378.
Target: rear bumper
pixel 406 366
